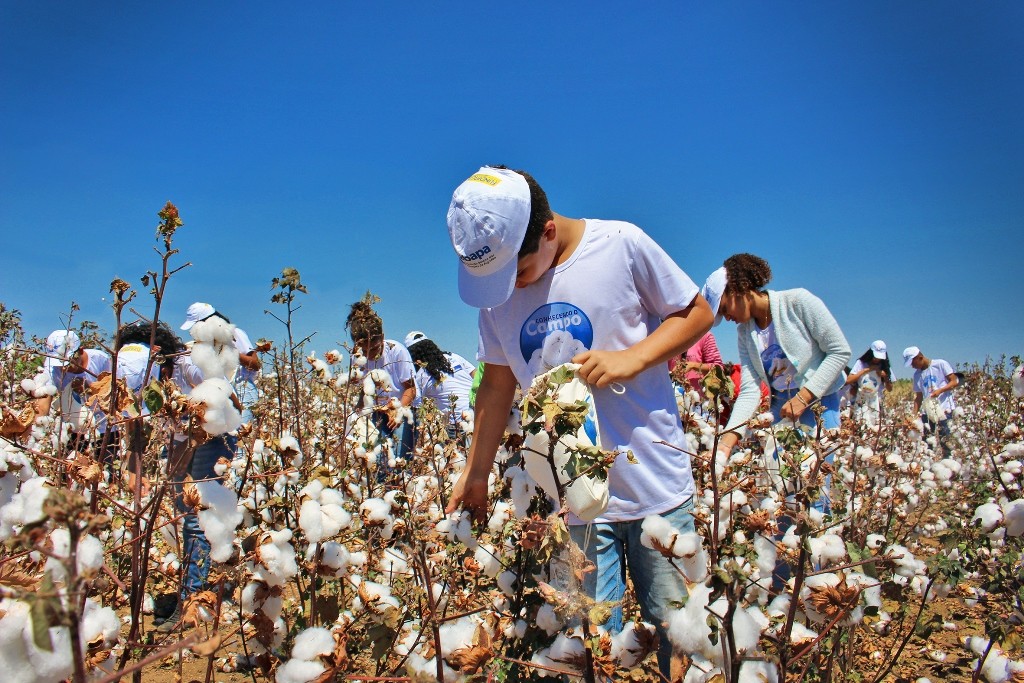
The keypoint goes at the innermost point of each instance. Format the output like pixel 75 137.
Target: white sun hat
pixel 712 291
pixel 487 221
pixel 196 312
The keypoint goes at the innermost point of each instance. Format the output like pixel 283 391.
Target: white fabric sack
pixel 587 496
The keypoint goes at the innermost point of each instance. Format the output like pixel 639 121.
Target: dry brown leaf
pixel 11 577
pixel 832 601
pixel 262 627
pixel 190 494
pixel 195 604
pixel 15 424
pixel 468 660
pixel 207 647
pixel 87 470
pixel 100 389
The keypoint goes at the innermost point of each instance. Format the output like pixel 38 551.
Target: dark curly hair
pixel 426 354
pixel 141 331
pixel 746 273
pixel 540 213
pixel 363 322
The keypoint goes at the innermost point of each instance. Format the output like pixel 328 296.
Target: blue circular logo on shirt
pixel 553 334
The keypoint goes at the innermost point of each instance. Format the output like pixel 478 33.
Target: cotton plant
pixel 216 356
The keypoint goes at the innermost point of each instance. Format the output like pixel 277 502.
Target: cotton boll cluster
pixel 632 644
pixel 306 664
pixel 565 654
pixel 24 507
pixel 321 515
pixel 220 415
pixel 458 526
pixel 275 558
pixel 378 512
pixel 906 565
pixel 39 386
pixel 998 668
pixel 219 515
pixel 376 381
pixel 659 534
pixel 88 555
pixel 321 368
pixel 375 599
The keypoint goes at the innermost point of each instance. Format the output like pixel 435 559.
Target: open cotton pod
pixel 587 495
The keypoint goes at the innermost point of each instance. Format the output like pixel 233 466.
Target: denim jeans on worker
pixel 247 394
pixel 404 435
pixel 941 431
pixel 195 547
pixel 829 418
pixel 613 547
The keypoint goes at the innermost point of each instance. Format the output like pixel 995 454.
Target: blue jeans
pixel 196 548
pixel 404 435
pixel 613 547
pixel 829 418
pixel 942 433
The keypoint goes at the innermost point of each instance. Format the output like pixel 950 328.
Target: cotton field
pixel 815 557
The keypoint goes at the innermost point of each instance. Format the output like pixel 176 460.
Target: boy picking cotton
pixel 551 290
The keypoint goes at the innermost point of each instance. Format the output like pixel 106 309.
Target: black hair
pixel 140 332
pixel 426 354
pixel 540 213
pixel 869 357
pixel 219 315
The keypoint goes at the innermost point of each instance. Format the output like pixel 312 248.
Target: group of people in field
pixel 551 289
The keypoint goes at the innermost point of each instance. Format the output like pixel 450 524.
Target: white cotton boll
pixel 311 521
pixel 758 671
pixel 687 627
pixel 299 671
pixel 99 622
pixel 694 561
pixel 656 530
pixel 312 490
pixel 375 510
pixel 312 643
pixel 548 620
pixel 334 519
pixel 801 634
pixel 500 516
pixel 827 548
pixel 89 556
pixel 1013 517
pixel 875 541
pixel 486 557
pixel 457 635
pixel 332 497
pixel 522 490
pixel 218 516
pixel 988 516
pixel 627 648
pixel 746 629
pixel 507 582
pixel 394 562
pixel 25 506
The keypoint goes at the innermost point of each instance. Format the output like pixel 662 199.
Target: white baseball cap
pixel 713 289
pixel 909 354
pixel 414 337
pixel 64 344
pixel 196 312
pixel 878 349
pixel 487 221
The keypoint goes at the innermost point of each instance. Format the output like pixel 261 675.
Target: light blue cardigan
pixel 812 341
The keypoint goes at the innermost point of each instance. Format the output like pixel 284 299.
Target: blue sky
pixel 872 152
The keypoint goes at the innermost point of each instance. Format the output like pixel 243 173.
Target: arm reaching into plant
pixel 678 332
pixel 493 403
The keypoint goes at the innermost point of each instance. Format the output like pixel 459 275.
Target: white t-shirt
pixel 776 365
pixel 458 383
pixel 71 400
pixel 611 293
pixel 873 378
pixel 931 378
pixel 244 345
pixel 132 360
pixel 395 359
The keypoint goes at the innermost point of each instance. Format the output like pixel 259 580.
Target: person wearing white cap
pixel 249 364
pixel 72 369
pixel 442 376
pixel 554 289
pixel 787 339
pixel 869 379
pixel 934 381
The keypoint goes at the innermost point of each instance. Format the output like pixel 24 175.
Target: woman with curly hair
pixel 367 331
pixel 787 339
pixel 442 376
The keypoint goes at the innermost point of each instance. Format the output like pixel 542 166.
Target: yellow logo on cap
pixel 485 179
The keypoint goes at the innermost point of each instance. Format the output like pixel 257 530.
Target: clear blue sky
pixel 872 152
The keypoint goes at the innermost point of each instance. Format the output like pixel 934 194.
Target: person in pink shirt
pixel 700 359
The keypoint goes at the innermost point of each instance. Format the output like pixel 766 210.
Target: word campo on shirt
pixel 559 321
pixel 478 254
